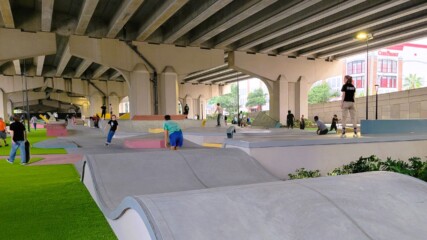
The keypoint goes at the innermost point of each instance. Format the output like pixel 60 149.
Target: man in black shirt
pixel 103 111
pixel 113 127
pixel 290 118
pixel 347 104
pixel 18 136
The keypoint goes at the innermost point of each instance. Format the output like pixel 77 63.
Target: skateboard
pixel 27 151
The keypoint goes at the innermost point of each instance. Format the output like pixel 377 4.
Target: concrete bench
pixel 230 131
pixel 144 143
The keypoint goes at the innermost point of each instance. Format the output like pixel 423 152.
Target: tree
pixel 321 94
pixel 256 98
pixel 412 81
pixel 227 101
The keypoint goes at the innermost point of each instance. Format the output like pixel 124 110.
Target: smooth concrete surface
pixel 404 126
pixel 131 174
pixel 226 194
pixel 283 153
pixel 56 143
pixel 144 143
pixel 370 206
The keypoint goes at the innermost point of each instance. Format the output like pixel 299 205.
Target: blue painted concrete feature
pixel 393 126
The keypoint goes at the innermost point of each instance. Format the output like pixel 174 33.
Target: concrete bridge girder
pixel 23 44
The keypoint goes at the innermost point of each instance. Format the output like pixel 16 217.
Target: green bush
pixel 302 173
pixel 308 123
pixel 413 167
pixel 364 164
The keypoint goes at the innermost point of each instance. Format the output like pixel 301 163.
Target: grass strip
pixel 47 202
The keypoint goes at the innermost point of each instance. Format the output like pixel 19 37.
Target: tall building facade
pixel 391 69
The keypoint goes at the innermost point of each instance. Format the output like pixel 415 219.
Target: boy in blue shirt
pixel 173 133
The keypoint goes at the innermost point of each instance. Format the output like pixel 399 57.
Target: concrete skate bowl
pixel 201 201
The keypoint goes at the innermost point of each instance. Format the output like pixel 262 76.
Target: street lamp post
pixel 376 101
pixel 366 37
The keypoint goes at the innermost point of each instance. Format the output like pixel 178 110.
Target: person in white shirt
pixel 220 112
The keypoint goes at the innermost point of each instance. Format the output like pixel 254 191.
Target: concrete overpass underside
pixel 158 52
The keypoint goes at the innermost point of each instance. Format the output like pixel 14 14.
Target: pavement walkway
pixel 92 141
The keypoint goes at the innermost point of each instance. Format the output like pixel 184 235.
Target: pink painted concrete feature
pixel 144 143
pixel 56 129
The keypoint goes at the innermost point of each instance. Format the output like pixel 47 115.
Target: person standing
pixel 19 136
pixel 103 111
pixel 113 128
pixel 290 118
pixel 33 121
pixel 302 122
pixel 218 110
pixel 3 134
pixel 321 127
pixel 111 110
pixel 334 123
pixel 173 133
pixel 239 118
pixel 186 109
pixel 347 104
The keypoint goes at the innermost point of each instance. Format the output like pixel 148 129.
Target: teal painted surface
pixel 393 126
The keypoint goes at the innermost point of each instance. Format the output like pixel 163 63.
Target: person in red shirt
pixel 3 134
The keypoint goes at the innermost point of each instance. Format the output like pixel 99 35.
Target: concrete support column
pixel 85 110
pixel 3 106
pixel 202 107
pixel 140 97
pixel 189 100
pixel 168 92
pixel 95 105
pixel 301 98
pixel 279 99
pixel 114 101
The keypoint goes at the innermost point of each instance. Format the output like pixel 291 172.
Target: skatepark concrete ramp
pixel 225 194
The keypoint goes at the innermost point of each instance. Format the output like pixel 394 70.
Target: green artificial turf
pixel 33 137
pixel 47 202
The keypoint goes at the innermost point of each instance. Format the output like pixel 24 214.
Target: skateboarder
pixel 173 134
pixel 220 111
pixel 103 111
pixel 334 123
pixel 347 104
pixel 113 127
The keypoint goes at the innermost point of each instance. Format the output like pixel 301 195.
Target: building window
pixel 387 81
pixel 387 66
pixel 356 67
pixel 359 82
